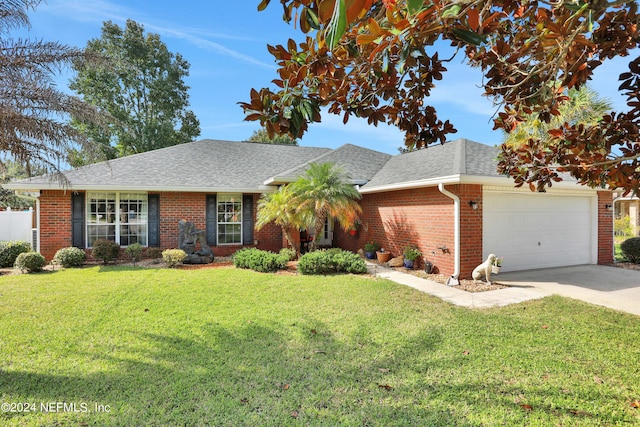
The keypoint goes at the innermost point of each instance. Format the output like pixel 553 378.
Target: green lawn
pixel 229 347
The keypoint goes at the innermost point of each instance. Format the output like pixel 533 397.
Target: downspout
pixel 37 200
pixel 453 280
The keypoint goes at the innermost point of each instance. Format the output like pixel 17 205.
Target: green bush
pixel 259 260
pixel 70 257
pixel 134 252
pixel 154 253
pixel 288 253
pixel 331 261
pixel 105 250
pixel 9 251
pixel 631 249
pixel 622 226
pixel 173 257
pixel 30 262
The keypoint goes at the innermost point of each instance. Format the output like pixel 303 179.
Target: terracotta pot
pixel 383 256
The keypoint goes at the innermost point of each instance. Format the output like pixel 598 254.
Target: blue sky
pixel 225 44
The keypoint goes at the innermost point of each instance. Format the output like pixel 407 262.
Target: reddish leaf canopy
pixel 376 60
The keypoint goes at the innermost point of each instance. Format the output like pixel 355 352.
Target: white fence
pixel 16 225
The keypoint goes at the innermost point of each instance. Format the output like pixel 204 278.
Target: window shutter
pixel 77 220
pixel 212 220
pixel 153 222
pixel 247 219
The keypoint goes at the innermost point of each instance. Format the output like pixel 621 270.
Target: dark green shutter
pixel 247 219
pixel 153 222
pixel 77 220
pixel 212 220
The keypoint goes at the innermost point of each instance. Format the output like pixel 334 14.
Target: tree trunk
pixel 319 225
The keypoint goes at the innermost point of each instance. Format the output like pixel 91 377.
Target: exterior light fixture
pixel 473 204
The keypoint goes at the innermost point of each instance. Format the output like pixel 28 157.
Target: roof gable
pixel 459 157
pixel 360 164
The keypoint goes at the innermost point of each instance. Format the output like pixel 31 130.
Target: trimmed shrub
pixel 288 254
pixel 105 250
pixel 258 260
pixel 9 251
pixel 631 249
pixel 173 257
pixel 154 253
pixel 70 257
pixel 331 261
pixel 30 262
pixel 134 252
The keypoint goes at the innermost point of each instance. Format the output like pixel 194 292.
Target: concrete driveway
pixel 612 287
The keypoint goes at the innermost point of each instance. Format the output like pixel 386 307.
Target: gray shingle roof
pixel 206 165
pixel 216 166
pixel 359 163
pixel 459 157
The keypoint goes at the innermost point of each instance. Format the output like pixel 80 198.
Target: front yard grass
pixel 234 347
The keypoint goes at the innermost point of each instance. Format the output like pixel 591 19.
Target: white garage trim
pixel 540 230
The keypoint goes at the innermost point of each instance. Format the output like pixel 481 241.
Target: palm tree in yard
pixel 279 207
pixel 583 106
pixel 34 125
pixel 323 191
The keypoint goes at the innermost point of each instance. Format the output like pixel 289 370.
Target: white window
pixel 119 217
pixel 229 219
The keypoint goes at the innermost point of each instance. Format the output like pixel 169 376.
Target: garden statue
pixel 189 238
pixel 483 271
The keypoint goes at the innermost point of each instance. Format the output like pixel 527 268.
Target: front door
pixel 326 236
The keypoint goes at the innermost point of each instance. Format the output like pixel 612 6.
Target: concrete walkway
pixel 611 287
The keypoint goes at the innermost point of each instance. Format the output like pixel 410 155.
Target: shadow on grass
pixel 262 374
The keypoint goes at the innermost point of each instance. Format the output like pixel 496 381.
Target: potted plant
pixel 353 230
pixel 383 256
pixel 496 266
pixel 370 249
pixel 411 254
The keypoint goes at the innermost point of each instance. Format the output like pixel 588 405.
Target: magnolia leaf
pixel 338 24
pixel 452 11
pixel 414 6
pixel 469 36
pixel 263 5
pixel 312 19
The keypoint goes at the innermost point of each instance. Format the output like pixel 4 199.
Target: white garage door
pixel 538 230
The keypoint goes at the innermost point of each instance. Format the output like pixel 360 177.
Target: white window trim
pixel 116 224
pixel 240 198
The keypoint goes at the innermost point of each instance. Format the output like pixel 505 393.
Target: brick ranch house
pixel 448 200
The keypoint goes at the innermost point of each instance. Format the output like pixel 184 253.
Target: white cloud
pixel 100 10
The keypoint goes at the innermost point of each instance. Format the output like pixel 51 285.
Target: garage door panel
pixel 537 230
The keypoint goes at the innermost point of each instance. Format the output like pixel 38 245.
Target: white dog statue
pixel 483 271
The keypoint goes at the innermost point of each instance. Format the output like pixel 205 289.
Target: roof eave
pixel 406 185
pixel 465 179
pixel 151 189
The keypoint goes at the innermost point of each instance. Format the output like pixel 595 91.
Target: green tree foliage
pixel 262 136
pixel 281 208
pixel 583 107
pixel 324 190
pixel 142 87
pixel 34 115
pixel 379 60
pixel 9 171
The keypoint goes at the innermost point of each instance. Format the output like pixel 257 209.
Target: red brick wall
pixel 395 219
pixel 55 222
pixel 422 217
pixel 605 227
